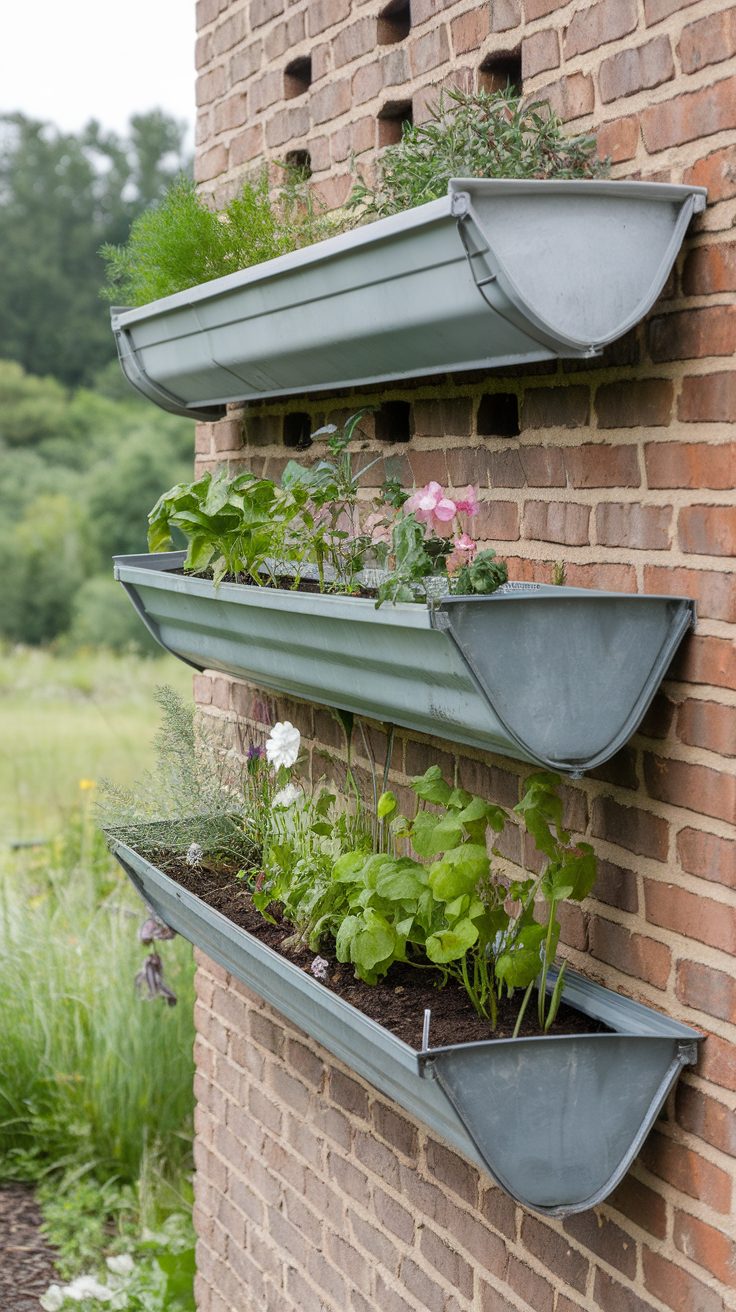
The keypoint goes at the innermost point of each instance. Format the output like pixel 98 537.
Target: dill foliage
pixel 187 799
pixel 478 134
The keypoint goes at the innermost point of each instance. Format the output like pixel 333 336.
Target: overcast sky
pixel 67 61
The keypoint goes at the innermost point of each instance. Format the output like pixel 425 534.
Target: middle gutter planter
pixel 557 676
pixel 496 273
pixel 556 1121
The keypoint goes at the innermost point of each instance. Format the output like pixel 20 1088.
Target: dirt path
pixel 26 1260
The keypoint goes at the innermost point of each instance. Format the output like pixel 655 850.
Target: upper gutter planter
pixel 496 273
pixel 556 1121
pixel 557 676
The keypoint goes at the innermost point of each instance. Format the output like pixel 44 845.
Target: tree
pixel 62 196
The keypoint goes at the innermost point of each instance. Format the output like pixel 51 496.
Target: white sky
pixel 67 61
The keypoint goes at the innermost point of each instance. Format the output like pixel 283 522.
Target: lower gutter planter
pixel 496 273
pixel 556 1121
pixel 557 676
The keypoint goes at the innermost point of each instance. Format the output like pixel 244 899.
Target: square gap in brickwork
pixel 297 431
pixel 498 415
pixel 394 22
pixel 501 70
pixel 391 120
pixel 394 422
pixel 301 163
pixel 297 77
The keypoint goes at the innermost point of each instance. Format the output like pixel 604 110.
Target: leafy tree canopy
pixel 63 196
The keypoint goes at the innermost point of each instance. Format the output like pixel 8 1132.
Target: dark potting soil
pixel 286 584
pixel 398 1003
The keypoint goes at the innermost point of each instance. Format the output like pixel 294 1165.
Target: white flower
pixel 282 746
pixel 122 1265
pixel 287 796
pixel 87 1287
pixel 320 968
pixel 194 855
pixel 53 1299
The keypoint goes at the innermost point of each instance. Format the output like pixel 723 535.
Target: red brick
pixel 687 1171
pixel 611 578
pixel 707 856
pixel 556 407
pixel 709 725
pixel 690 116
pixel 396 1129
pixel 711 1120
pixel 693 334
pixel 498 521
pixel 229 33
pixel 539 52
pixel 717 172
pixel 676 1287
pixel 607 1240
pixel 453 1171
pixel 542 466
pixel 711 398
pixel 708 41
pixel 711 991
pixel 656 10
pixel 540 8
pixel 612 1297
pixel 571 96
pixel 616 886
pixel 633 954
pixel 598 464
pixel 557 521
pixel 367 83
pixel 708 530
pixel 354 41
pixel 707 660
pixel 691 464
pixel 447 1261
pixel 642 527
pixel 691 915
pixel 322 14
pixel 210 164
pixel 598 24
pixel 247 145
pixel 714 592
pixel 330 101
pixel 710 269
pixel 554 1252
pixel 708 1247
pixel 619 139
pixel 207 11
pixel 640 1204
pixel 245 62
pixel 445 417
pixel 536 1292
pixel 635 70
pixel 505 14
pixel 636 830
pixel 697 787
pixel 429 50
pixel 398 1220
pixel 637 403
pixel 718 1062
pixel 468 31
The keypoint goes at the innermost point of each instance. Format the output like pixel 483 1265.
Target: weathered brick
pixel 611 1296
pixel 557 521
pixel 707 660
pixel 498 521
pixel 618 524
pixel 707 530
pixel 554 1251
pixel 656 10
pixel 322 14
pixel 538 53
pixel 687 1171
pixel 531 1287
pixel 693 334
pixel 616 886
pixel 210 163
pixel 210 86
pixel 714 592
pixel 428 51
pixel 676 1287
pixel 262 11
pixel 711 991
pixel 445 1259
pixel 396 1129
pixel 453 1171
pixel 597 464
pixel 710 269
pixel 697 787
pixel 717 172
pixel 619 139
pixel 629 71
pixel 353 41
pixel 556 407
pixel 600 1235
pixel 707 856
pixel 636 403
pixel 571 96
pixel 468 31
pixel 691 464
pixel 690 915
pixel 505 14
pixel 708 41
pixel 640 1204
pixel 709 725
pixel 634 954
pixel 330 101
pixel 639 831
pixel 690 116
pixel 707 1117
pixel 598 24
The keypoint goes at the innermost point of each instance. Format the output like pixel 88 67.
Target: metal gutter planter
pixel 496 273
pixel 557 676
pixel 556 1121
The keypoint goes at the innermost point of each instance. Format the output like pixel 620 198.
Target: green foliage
pixel 62 195
pixel 483 575
pixel 102 615
pixel 46 557
pixel 181 242
pixel 474 135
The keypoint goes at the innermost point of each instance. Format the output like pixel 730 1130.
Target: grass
pixel 95 1084
pixel 68 719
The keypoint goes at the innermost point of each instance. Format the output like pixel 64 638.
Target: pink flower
pixel 469 504
pixel 377 528
pixel 464 549
pixel 430 505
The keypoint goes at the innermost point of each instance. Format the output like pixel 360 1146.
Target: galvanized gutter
pixel 556 1121
pixel 494 274
pixel 557 676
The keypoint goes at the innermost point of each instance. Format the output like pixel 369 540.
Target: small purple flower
pixel 320 968
pixel 255 752
pixel 151 977
pixel 154 929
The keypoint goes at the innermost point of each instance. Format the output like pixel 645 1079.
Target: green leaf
pixel 387 804
pixel 349 867
pixel 451 944
pixel 350 926
pixel 431 834
pixel 431 787
pixel 399 883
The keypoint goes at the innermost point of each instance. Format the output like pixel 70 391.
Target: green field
pixel 66 720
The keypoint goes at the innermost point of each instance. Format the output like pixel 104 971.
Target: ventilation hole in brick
pixel 297 77
pixel 301 162
pixel 499 71
pixel 498 415
pixel 297 431
pixel 393 422
pixel 394 22
pixel 391 120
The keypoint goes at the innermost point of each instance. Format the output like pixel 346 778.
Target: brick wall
pixel 312 1192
